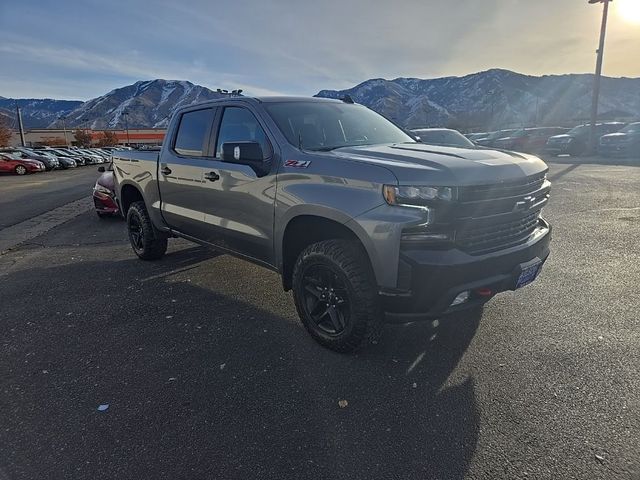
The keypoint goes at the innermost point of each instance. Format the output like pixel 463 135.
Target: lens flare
pixel 628 10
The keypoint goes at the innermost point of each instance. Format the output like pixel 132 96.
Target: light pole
pixel 64 127
pixel 596 80
pixel 125 114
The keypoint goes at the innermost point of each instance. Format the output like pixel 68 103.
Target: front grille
pixel 483 239
pixel 507 189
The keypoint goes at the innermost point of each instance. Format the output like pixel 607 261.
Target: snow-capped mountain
pixel 143 104
pixel 495 98
pixel 37 113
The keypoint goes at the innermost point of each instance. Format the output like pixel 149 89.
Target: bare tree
pixel 107 139
pixel 83 138
pixel 5 132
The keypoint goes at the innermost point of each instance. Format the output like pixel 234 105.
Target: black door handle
pixel 212 176
pixel 165 171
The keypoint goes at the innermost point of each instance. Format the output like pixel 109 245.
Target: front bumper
pixel 436 277
pixel 104 203
pixel 619 150
pixel 557 149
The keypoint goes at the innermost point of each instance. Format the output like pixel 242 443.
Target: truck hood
pixel 420 164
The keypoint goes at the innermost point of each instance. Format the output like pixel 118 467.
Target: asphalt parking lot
pixel 207 372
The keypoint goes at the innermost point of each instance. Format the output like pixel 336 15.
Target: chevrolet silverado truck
pixel 361 220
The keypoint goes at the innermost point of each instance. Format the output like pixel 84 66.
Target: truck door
pixel 238 202
pixel 181 171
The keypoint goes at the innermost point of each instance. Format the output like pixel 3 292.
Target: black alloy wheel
pixel 136 234
pixel 326 299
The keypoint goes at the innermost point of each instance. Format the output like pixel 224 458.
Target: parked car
pixel 492 137
pixel 576 141
pixel 624 143
pixel 443 137
pixel 62 152
pixel 476 136
pixel 11 162
pixel 365 224
pixel 530 140
pixel 49 162
pixel 64 162
pixel 94 157
pixel 104 194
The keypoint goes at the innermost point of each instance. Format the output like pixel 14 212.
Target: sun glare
pixel 629 10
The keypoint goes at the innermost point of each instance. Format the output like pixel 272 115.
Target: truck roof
pixel 277 99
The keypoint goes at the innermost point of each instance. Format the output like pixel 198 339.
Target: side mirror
pixel 244 153
pixel 101 169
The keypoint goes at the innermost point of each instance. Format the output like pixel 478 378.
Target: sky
pixel 84 48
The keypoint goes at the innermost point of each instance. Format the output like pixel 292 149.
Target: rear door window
pixel 193 133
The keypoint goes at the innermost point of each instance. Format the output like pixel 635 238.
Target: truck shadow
pixel 201 384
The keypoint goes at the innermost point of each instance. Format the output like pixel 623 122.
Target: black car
pixel 576 141
pixel 442 136
pixel 625 143
pixel 493 137
pixel 61 152
pixel 529 140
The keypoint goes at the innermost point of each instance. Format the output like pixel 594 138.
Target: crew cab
pixel 362 221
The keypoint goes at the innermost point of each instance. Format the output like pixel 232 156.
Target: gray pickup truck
pixel 362 221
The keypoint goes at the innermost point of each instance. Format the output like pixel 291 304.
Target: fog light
pixel 461 298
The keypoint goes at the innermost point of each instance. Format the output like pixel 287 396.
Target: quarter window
pixel 193 133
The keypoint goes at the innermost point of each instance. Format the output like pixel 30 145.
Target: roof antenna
pixel 347 99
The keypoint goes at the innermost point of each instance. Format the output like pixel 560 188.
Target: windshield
pixel 450 138
pixel 325 126
pixel 520 133
pixel 500 134
pixel 632 128
pixel 579 130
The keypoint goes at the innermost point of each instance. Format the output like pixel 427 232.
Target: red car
pixel 104 194
pixel 12 163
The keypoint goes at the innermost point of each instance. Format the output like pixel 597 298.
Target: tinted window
pixel 328 125
pixel 193 132
pixel 240 125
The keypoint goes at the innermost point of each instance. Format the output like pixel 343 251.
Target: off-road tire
pixel 152 244
pixel 349 261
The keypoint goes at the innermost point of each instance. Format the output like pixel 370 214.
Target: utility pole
pixel 64 127
pixel 596 80
pixel 20 127
pixel 125 114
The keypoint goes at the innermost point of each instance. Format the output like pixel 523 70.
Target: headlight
pixel 100 189
pixel 566 140
pixel 418 196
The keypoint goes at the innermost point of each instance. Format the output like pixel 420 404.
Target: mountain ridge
pixel 494 98
pixel 487 99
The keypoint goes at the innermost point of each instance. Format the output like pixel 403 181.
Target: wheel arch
pixel 129 193
pixel 304 229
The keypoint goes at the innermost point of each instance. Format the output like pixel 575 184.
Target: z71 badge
pixel 297 163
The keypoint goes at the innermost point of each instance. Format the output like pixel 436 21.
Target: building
pixel 54 136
